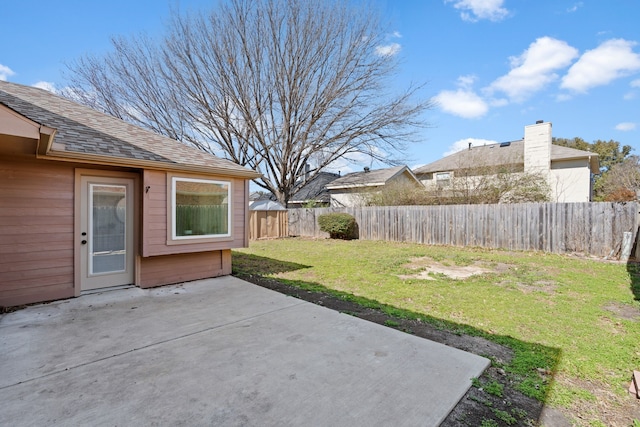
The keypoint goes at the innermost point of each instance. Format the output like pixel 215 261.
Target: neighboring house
pixel 90 201
pixel 353 189
pixel 313 192
pixel 260 195
pixel 568 171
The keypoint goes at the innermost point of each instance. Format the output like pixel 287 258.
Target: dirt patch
pixel 429 267
pixel 541 286
pixel 623 311
pixel 616 410
pixel 478 405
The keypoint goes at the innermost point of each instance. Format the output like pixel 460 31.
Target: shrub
pixel 338 225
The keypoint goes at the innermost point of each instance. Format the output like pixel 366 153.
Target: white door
pixel 106 232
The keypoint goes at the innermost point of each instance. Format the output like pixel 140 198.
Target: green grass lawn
pixel 578 318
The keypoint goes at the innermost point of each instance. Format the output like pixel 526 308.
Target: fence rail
pixel 590 228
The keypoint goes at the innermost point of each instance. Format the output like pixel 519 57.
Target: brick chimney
pixel 537 148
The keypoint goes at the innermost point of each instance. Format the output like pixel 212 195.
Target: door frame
pixel 78 212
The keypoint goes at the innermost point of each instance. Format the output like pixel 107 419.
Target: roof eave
pixel 348 186
pixel 144 164
pixel 594 161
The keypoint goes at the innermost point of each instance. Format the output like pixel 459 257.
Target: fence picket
pixel 591 228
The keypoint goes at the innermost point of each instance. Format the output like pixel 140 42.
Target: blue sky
pixel 493 66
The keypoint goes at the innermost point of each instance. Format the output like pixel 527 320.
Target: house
pixel 353 189
pixel 567 171
pixel 313 192
pixel 90 201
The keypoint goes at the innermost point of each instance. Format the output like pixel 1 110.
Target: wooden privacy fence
pixel 268 224
pixel 590 228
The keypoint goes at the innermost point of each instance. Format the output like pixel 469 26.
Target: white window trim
pixel 443 176
pixel 202 238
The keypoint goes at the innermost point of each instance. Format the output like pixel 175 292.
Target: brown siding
pixel 169 269
pixel 36 231
pixel 154 217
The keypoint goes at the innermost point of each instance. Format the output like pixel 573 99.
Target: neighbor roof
pixel 314 189
pixel 84 134
pixel 266 205
pixel 506 153
pixel 372 178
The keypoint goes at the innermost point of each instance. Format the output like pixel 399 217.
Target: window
pixel 200 208
pixel 443 179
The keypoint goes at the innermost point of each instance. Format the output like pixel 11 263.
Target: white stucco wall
pixel 570 181
pixel 348 198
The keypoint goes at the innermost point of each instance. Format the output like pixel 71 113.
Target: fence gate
pixel 268 224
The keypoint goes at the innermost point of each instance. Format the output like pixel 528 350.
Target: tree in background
pixel 270 84
pixel 622 182
pixel 397 194
pixel 610 153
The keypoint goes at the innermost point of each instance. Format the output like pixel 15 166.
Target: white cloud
pixel 462 102
pixel 476 10
pixel 632 94
pixel 46 86
pixel 498 102
pixel 534 69
pixel 609 61
pixel 396 34
pixel 463 144
pixel 575 7
pixel 466 82
pixel 388 50
pixel 625 126
pixel 5 72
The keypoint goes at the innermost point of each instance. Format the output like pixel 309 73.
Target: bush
pixel 338 225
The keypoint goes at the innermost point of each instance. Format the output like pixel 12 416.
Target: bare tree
pixel 270 84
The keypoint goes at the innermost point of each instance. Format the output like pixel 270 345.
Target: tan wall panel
pixel 31 247
pixel 57 276
pixel 12 240
pixel 16 277
pixel 36 231
pixel 170 269
pixel 34 294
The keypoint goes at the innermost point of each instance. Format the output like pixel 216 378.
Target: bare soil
pixel 478 406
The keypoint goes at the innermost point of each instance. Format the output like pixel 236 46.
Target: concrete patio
pixel 220 352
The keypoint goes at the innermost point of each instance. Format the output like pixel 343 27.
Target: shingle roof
pixel 511 153
pixel 315 188
pixel 81 130
pixel 366 179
